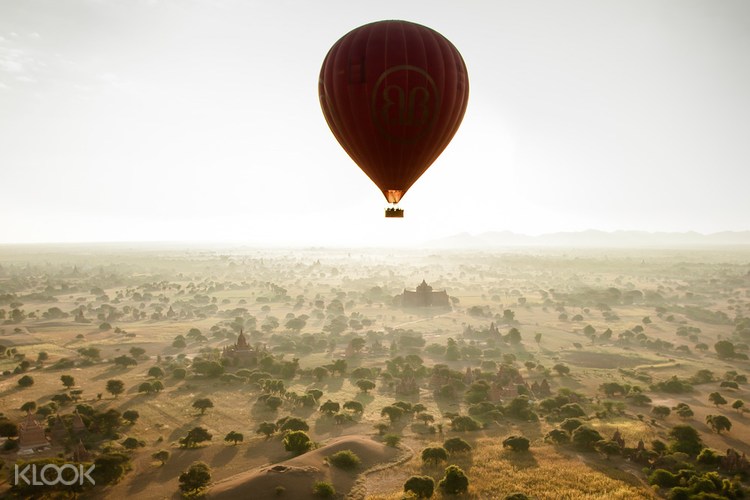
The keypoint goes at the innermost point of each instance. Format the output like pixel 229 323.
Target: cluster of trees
pixel 454 482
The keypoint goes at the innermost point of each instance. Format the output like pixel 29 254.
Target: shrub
pixel 584 437
pixel 707 456
pixel 456 445
pixel 571 424
pixel 130 415
pixel 345 459
pixel 196 436
pixel 685 440
pixel 572 410
pixel 294 424
pixel 161 455
pixel 297 442
pixel 663 478
pixel 464 423
pixel 110 467
pixel 434 454
pixel 454 481
pixel 557 436
pixel 392 440
pixel 323 490
pixel 516 443
pixel 195 478
pixel 421 486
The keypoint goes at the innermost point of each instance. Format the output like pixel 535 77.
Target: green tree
pixel 719 423
pixel 717 399
pixel 392 440
pixel 315 393
pixel 516 443
pixel 297 442
pixel 234 437
pixel 683 410
pixel 195 436
pixel 115 387
pixel 266 428
pixel 393 413
pixel 456 445
pixel 514 336
pixel 365 385
pixel 465 423
pixel 330 407
pixel 421 486
pixel 293 424
pixel 584 437
pixel 110 467
pixel 707 456
pixel 124 361
pixel 296 324
pixel 137 352
pixel 162 456
pixel 724 349
pixel 320 372
pixel 155 372
pixel 67 381
pixel 561 369
pixel 274 402
pixel 102 422
pixel 357 344
pixel 607 448
pixel 131 416
pixel 354 406
pixel 434 454
pixel 660 411
pixel 28 406
pixel 91 353
pixel 686 440
pixel 454 481
pixel 196 478
pixel 324 490
pixel 132 443
pixel 211 369
pixel 345 459
pixel 8 428
pixel 26 381
pixel 203 404
pixel 557 436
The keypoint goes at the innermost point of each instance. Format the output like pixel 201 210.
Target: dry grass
pixel 544 473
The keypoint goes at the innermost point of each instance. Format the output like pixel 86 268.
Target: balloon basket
pixel 394 212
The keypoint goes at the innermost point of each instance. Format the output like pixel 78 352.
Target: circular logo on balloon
pixel 405 103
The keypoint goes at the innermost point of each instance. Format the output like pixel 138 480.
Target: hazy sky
pixel 199 120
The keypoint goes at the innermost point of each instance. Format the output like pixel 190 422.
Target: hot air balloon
pixel 394 94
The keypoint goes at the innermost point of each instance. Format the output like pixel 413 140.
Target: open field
pixel 582 323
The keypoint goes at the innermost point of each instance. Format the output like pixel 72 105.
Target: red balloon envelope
pixel 394 94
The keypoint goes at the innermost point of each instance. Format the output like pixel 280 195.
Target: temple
pixel 242 353
pixel 31 435
pixel 424 297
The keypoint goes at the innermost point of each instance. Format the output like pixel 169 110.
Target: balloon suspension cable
pixel 394 212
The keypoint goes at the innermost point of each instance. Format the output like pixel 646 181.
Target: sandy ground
pixel 298 475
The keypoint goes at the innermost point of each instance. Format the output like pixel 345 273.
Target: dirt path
pixel 359 490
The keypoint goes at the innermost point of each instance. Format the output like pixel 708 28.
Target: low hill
pixel 298 474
